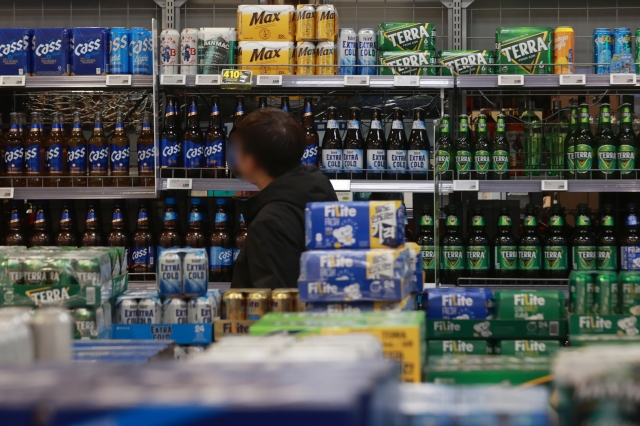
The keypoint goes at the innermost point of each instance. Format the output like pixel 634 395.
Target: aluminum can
pixel 170 279
pixel 581 292
pixel 126 311
pixel 325 22
pixel 52 335
pixel 195 270
pixel 215 311
pixel 15 270
pixel 119 51
pixel 325 58
pixel 283 300
pixel 34 272
pixel 234 305
pixel 622 41
pixel 149 311
pixel 174 311
pixel 637 57
pixel 305 22
pixel 169 47
pixel 200 310
pixel 305 58
pixel 258 304
pixel 564 50
pixel 216 46
pixel 602 50
pixel 606 294
pixel 85 321
pixel 140 52
pixel 189 51
pixel 347 42
pixel 367 52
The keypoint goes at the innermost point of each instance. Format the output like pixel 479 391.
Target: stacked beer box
pixel 407 48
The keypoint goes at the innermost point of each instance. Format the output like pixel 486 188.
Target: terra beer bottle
pixel 376 146
pixel 353 152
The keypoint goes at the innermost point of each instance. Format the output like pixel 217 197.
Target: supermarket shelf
pixel 535 185
pixel 83 193
pixel 534 82
pixel 151 285
pixel 81 82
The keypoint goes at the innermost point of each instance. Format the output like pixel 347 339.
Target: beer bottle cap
pixel 170 201
pixel 220 201
pixel 195 201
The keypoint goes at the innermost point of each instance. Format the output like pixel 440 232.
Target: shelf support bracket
pixel 170 13
pixel 457 23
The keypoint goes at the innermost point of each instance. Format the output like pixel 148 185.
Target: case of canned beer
pixel 50 55
pixel 266 23
pixel 409 303
pixel 395 36
pixel 466 62
pixel 408 63
pixel 216 46
pixel 599 292
pixel 15 51
pixel 531 304
pixel 268 57
pixel 89 51
pixel 524 50
pixel 92 322
pixel 183 272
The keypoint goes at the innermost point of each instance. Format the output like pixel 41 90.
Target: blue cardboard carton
pixel 409 303
pixel 89 51
pixel 50 54
pixel 15 51
pixel 458 303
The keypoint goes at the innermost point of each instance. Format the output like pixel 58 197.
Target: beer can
pixel 305 58
pixel 174 311
pixel 622 41
pixel 119 51
pixel 15 270
pixel 283 300
pixel 602 50
pixel 170 270
pixel 85 323
pixel 367 52
pixel 126 311
pixel 89 272
pixel 606 294
pixel 149 311
pixel 346 47
pixel 216 46
pixel 195 272
pixel 325 58
pixel 140 51
pixel 200 310
pixel 214 305
pixel 630 289
pixel 325 22
pixel 52 335
pixel 563 50
pixel 234 305
pixel 305 22
pixel 581 293
pixel 258 304
pixel 189 51
pixel 637 57
pixel 34 272
pixel 169 47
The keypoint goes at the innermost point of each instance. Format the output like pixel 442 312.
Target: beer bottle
pixel 66 236
pixel 376 146
pixel 397 148
pixel 630 241
pixel 464 144
pixel 607 143
pixel 193 144
pixel 241 235
pixel 22 124
pixel 119 153
pixel 310 156
pixel 506 249
pixel 584 244
pixel 170 236
pixel 56 152
pixel 119 235
pixel 353 153
pixel 607 242
pixel 570 141
pixel 584 146
pixel 239 114
pixel 556 130
pixel 427 244
pixel 15 235
pixel 171 150
pixel 77 153
pixel 262 102
pixel 530 246
pixel 284 104
pixel 556 250
pixel 500 151
pixel 332 146
pixel 41 236
pixel 628 144
pixel 98 153
pixel 478 247
pixel 195 237
pixel 215 144
pixel 221 246
pixel 3 169
pixel 142 245
pixel 146 152
pixel 452 265
pixel 532 139
pixel 419 146
pixel 92 235
pixel 481 155
pixel 445 151
pixel 14 153
pixel 34 152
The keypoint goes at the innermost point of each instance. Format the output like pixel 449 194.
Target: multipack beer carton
pixel 89 51
pixel 527 348
pixel 15 51
pixel 466 62
pixel 459 347
pixel 397 36
pixel 408 63
pixel 50 54
pixel 409 303
pixel 524 50
pixel 266 57
pixel 266 23
pixel 456 303
pixel 530 305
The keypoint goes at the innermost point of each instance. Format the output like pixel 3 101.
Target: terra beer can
pixel 325 58
pixel 305 58
pixel 169 47
pixel 234 305
pixel 325 22
pixel 305 22
pixel 563 50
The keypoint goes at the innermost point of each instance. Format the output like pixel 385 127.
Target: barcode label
pixel 91 295
pixel 554 328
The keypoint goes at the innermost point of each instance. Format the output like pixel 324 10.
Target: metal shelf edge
pixel 83 193
pixel 81 81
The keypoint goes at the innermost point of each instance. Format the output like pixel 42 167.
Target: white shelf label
pixel 573 80
pixel 466 185
pixel 356 80
pixel 511 80
pixel 622 79
pixel 173 183
pixel 6 193
pixel 119 80
pixel 173 79
pixel 269 80
pixel 341 185
pixel 555 185
pixel 208 80
pixel 406 81
pixel 12 80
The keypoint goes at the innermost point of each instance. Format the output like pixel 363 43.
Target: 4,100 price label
pixel 236 79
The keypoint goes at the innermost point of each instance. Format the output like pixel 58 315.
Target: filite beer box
pixel 527 348
pixel 358 224
pixel 51 51
pixel 530 305
pixel 266 23
pixel 15 51
pixel 459 347
pixel 452 303
pixel 89 51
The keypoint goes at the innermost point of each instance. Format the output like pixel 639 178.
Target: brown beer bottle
pixel 239 114
pixel 146 152
pixel 41 236
pixel 262 102
pixel 221 250
pixel 195 237
pixel 193 142
pixel 241 235
pixel 119 235
pixel 15 236
pixel 310 156
pixel 170 236
pixel 34 154
pixel 119 153
pixel 66 236
pixel 56 153
pixel 77 153
pixel 92 235
pixel 142 245
pixel 14 153
pixel 284 104
pixel 98 153
pixel 215 144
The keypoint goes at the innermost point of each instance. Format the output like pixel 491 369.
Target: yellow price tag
pixel 236 79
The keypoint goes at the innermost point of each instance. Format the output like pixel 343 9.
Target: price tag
pixel 406 81
pixel 356 80
pixel 12 80
pixel 341 185
pixel 119 80
pixel 173 183
pixel 236 79
pixel 573 80
pixel 6 193
pixel 208 80
pixel 510 80
pixel 173 79
pixel 466 185
pixel 555 185
pixel 622 79
pixel 269 80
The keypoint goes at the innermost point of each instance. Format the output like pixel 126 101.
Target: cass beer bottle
pixel 556 246
pixel 193 144
pixel 397 148
pixel 607 144
pixel 169 237
pixel 583 242
pixel 478 247
pixel 142 244
pixel 464 145
pixel 505 247
pixel 241 235
pixel 119 153
pixel 215 153
pixel 195 237
pixel 67 236
pixel 530 246
pixel 22 124
pixel 14 153
pixel 146 152
pixel 92 235
pixel 310 156
pixel 376 146
pixel 445 151
pixel 419 146
pixel 500 151
pixel 332 146
pixel 584 146
pixel 284 104
pixel 532 140
pixel 262 102
pixel 427 244
pixel 34 152
pixel 119 235
pixel 15 236
pixel 607 242
pixel 452 265
pixel 98 153
pixel 570 141
pixel 353 152
pixel 221 246
pixel 170 147
pixel 482 154
pixel 238 116
pixel 556 130
pixel 77 153
pixel 628 144
pixel 41 236
pixel 630 242
pixel 56 153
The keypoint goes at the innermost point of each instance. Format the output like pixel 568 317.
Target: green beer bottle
pixel 464 143
pixel 505 255
pixel 556 251
pixel 427 244
pixel 570 141
pixel 607 242
pixel 607 146
pixel 482 155
pixel 530 246
pixel 584 145
pixel 532 140
pixel 584 245
pixel 556 130
pixel 628 143
pixel 445 152
pixel 500 151
pixel 453 260
pixel 478 250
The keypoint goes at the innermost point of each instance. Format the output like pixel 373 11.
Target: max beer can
pixel 174 311
pixel 325 58
pixel 305 58
pixel 325 22
pixel 305 22
pixel 119 51
pixel 563 50
pixel 189 51
pixel 602 50
pixel 347 51
pixel 169 47
pixel 367 52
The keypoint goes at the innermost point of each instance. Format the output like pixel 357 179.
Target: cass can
pixel 15 51
pixel 325 58
pixel 119 51
pixel 174 311
pixel 189 51
pixel 563 50
pixel 305 58
pixel 602 50
pixel 200 310
pixel 169 47
pixel 347 40
pixel 581 292
pixel 325 22
pixel 170 280
pixel 140 51
pixel 283 300
pixel 89 51
pixel 258 304
pixel 234 305
pixel 195 272
pixel 622 41
pixel 126 311
pixel 149 311
pixel 85 322
pixel 367 52
pixel 305 22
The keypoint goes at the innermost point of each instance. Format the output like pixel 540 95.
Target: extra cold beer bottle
pixel 353 152
pixel 119 153
pixel 56 153
pixel 216 144
pixel 376 144
pixel 193 143
pixel 419 146
pixel 146 152
pixel 98 153
pixel 67 236
pixel 332 146
pixel 310 156
pixel 221 246
pixel 142 244
pixel 92 235
pixel 397 148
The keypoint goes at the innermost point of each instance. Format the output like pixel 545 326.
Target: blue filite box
pixel 409 303
pixel 359 224
pixel 50 55
pixel 457 303
pixel 15 51
pixel 89 51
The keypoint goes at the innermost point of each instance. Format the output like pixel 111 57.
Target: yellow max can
pixel 305 58
pixel 258 304
pixel 266 23
pixel 325 22
pixel 563 50
pixel 267 57
pixel 325 58
pixel 305 22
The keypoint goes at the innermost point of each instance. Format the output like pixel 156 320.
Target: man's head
pixel 267 142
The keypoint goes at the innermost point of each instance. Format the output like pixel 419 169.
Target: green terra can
pixel 15 270
pixel 34 271
pixel 60 272
pixel 85 322
pixel 630 288
pixel 88 271
pixel 581 292
pixel 606 293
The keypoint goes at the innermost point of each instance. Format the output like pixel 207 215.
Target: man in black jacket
pixel 265 150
